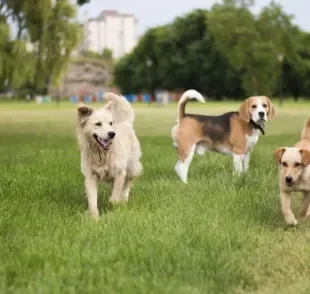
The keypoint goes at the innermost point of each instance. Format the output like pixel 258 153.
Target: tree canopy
pixel 39 52
pixel 225 52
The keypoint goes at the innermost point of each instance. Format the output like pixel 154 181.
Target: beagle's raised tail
pixel 187 95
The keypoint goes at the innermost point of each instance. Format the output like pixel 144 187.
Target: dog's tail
pixel 120 107
pixel 305 133
pixel 187 95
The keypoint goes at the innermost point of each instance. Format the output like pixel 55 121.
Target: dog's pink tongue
pixel 104 142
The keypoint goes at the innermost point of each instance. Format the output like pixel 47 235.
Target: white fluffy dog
pixel 110 150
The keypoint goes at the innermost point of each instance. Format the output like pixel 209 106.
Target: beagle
pixel 233 133
pixel 295 174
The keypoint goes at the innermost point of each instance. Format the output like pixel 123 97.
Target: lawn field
pixel 217 234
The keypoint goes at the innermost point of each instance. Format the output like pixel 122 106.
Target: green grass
pixel 218 234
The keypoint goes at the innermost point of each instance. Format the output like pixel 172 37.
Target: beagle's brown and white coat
pixel 233 133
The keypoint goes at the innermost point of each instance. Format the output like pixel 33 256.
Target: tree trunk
pixel 38 75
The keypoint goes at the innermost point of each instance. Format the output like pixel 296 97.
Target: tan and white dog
pixel 232 133
pixel 110 150
pixel 295 174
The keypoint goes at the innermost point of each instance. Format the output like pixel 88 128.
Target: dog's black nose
pixel 111 135
pixel 289 179
pixel 261 113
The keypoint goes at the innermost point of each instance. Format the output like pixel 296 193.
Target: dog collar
pixel 258 127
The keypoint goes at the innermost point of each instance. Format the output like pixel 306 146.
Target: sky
pixel 159 12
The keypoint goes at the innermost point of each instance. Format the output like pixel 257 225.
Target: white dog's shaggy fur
pixel 110 150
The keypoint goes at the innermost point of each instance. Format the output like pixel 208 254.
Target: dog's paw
pixel 125 198
pixel 291 221
pixel 182 174
pixel 93 214
pixel 115 201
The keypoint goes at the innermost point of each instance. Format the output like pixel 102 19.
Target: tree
pixel 277 28
pixel 235 35
pixel 21 66
pixel 64 36
pixel 296 81
pixel 183 55
pixel 16 64
pixel 54 36
pixel 4 53
pixel 82 2
pixel 51 33
pixel 107 54
pixel 124 75
pixel 14 9
pixel 198 63
pixel 252 44
pixel 140 78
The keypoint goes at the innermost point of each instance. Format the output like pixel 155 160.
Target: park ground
pixel 217 234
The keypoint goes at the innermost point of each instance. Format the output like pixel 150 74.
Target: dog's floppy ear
pixel 84 110
pixel 305 156
pixel 271 109
pixel 277 154
pixel 244 111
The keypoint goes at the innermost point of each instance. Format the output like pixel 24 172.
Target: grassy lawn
pixel 218 234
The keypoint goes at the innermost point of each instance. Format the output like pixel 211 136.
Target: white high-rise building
pixel 111 30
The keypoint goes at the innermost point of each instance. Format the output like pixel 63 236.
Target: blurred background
pixel 75 50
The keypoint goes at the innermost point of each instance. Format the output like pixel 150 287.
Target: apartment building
pixel 112 30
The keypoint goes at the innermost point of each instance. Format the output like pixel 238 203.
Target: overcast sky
pixel 158 12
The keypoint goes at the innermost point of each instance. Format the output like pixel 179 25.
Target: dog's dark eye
pixel 111 123
pixel 284 164
pixel 297 164
pixel 265 105
pixel 98 124
pixel 254 106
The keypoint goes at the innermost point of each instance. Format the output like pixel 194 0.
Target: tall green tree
pixel 252 44
pixel 50 31
pixel 296 79
pixel 4 52
pixel 21 65
pixel 124 75
pixel 142 77
pixel 54 35
pixel 16 64
pixel 182 55
pixel 63 36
